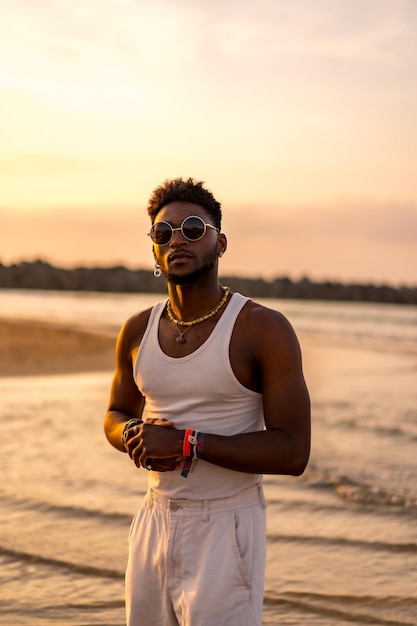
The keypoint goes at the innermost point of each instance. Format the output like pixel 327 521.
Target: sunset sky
pixel 300 116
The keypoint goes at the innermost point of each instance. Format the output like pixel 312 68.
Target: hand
pixel 164 465
pixel 155 443
pixel 131 439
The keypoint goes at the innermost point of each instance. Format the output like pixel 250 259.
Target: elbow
pixel 107 427
pixel 300 462
pixel 299 470
pixel 111 429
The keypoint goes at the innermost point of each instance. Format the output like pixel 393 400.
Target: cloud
pixel 275 102
pixel 365 220
pixel 346 241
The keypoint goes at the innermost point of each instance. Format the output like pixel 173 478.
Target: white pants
pixel 197 562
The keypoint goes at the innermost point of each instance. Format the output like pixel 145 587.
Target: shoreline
pixel 42 275
pixel 34 348
pixel 30 347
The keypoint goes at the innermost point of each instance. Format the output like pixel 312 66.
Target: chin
pixel 191 277
pixel 188 279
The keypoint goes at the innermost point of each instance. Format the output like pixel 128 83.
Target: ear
pixel 221 244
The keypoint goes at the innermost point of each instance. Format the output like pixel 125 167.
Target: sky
pixel 299 116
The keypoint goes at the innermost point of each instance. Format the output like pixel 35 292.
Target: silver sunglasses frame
pixel 182 232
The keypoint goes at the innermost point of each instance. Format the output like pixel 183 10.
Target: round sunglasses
pixel 192 228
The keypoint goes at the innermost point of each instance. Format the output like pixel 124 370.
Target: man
pixel 217 380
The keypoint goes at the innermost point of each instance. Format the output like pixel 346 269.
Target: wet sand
pixel 29 348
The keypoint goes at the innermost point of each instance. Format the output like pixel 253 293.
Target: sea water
pixel 342 539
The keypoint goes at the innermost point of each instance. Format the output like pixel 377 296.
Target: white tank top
pixel 198 391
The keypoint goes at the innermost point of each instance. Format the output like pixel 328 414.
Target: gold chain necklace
pixel 207 316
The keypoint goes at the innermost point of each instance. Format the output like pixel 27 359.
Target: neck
pixel 190 301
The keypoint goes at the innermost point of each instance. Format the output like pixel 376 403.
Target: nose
pixel 177 238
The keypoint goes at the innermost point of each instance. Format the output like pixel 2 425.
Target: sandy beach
pixel 29 348
pixel 40 348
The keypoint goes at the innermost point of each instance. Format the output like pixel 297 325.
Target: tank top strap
pixel 228 319
pixel 151 331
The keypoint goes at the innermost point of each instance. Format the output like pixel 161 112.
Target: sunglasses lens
pixel 193 228
pixel 161 233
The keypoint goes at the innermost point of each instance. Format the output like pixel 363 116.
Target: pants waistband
pixel 247 497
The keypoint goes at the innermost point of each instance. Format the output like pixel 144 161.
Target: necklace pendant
pixel 180 340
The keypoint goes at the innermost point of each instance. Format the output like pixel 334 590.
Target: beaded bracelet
pixel 130 424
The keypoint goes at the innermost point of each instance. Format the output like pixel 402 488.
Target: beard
pixel 209 263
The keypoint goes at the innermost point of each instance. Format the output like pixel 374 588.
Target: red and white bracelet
pixel 191 448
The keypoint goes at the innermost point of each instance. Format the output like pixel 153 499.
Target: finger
pixel 141 460
pixel 137 457
pixel 130 441
pixel 136 450
pixel 133 445
pixel 157 421
pixel 163 465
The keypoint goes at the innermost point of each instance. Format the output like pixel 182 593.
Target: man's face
pixel 182 261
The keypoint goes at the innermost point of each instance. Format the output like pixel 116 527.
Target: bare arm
pixel 125 401
pixel 284 447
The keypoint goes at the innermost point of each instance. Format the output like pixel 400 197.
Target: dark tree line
pixel 41 275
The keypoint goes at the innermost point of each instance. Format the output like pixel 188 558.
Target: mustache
pixel 179 254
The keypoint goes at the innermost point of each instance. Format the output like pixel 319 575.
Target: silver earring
pixel 157 271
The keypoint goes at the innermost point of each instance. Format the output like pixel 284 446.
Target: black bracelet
pixel 130 424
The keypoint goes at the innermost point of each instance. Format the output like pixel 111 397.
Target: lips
pixel 178 256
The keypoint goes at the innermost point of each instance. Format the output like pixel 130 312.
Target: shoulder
pixel 258 318
pixel 132 331
pixel 266 330
pixel 264 349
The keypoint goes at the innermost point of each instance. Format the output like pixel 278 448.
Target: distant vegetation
pixel 42 275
